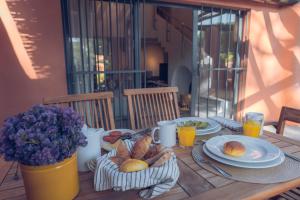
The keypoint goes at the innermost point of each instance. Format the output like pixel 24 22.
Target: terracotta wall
pixel 32 57
pixel 31 54
pixel 273 76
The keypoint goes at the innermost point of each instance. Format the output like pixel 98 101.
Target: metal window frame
pixel 138 69
pixel 239 84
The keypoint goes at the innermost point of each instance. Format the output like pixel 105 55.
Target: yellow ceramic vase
pixel 52 182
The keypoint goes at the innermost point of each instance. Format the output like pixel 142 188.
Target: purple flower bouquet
pixel 41 136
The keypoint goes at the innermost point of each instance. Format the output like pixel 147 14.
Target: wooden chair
pixel 147 106
pixel 293 115
pixel 286 114
pixel 95 108
pixel 293 194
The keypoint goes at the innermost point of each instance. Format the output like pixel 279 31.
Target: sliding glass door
pixel 218 49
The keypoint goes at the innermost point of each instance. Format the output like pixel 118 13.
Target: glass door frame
pixel 240 67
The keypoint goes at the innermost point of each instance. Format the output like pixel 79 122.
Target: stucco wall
pixel 274 61
pixel 31 54
pixel 273 76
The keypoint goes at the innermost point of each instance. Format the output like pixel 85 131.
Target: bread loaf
pixel 164 158
pixel 141 147
pixel 117 160
pixel 153 150
pixel 122 150
pixel 153 159
pixel 133 165
pixel 234 148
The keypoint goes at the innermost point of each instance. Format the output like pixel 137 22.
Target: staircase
pixel 169 28
pixel 157 42
pixel 175 39
pixel 185 30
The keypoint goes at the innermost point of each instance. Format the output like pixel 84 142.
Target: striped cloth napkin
pixel 153 181
pixel 228 123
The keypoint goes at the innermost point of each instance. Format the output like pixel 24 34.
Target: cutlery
pixel 292 156
pixel 202 160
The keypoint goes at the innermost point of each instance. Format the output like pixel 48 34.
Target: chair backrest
pixel 95 108
pixel 287 114
pixel 147 106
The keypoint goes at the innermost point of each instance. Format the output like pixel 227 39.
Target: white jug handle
pixel 153 135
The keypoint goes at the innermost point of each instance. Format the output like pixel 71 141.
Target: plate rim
pixel 200 132
pixel 244 161
pixel 118 129
pixel 265 165
pixel 102 142
pixel 209 132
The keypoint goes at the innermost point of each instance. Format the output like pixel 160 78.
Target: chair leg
pixel 293 194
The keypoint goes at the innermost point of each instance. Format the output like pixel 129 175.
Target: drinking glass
pixel 253 124
pixel 186 135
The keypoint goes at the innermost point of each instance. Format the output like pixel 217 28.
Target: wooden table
pixel 194 182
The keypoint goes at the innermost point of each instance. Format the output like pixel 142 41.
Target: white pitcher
pixel 167 133
pixel 92 150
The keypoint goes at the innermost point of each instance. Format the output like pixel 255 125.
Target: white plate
pixel 106 145
pixel 269 164
pixel 213 126
pixel 257 150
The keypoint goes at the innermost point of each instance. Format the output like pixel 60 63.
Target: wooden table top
pixel 194 182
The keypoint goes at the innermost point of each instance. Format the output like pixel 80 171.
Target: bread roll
pixel 141 147
pixel 122 150
pixel 234 148
pixel 153 150
pixel 153 159
pixel 164 158
pixel 133 165
pixel 116 144
pixel 117 160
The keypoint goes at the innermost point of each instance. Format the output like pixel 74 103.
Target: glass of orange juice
pixel 186 135
pixel 253 124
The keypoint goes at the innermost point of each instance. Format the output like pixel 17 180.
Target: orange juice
pixel 251 128
pixel 186 135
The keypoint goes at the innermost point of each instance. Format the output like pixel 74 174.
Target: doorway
pixel 169 49
pixel 115 45
pixel 199 50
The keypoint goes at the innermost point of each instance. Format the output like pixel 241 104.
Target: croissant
pixel 153 159
pixel 122 151
pixel 141 147
pixel 164 158
pixel 153 150
pixel 117 160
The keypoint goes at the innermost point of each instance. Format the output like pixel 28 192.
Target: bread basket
pixel 153 181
